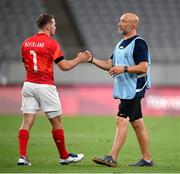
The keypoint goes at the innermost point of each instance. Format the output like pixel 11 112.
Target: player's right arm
pixel 63 64
pixel 66 65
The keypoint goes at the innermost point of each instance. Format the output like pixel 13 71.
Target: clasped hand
pixel 84 56
pixel 116 70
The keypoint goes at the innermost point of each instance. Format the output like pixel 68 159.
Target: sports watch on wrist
pixel 125 69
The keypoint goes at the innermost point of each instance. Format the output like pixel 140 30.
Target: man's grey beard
pixel 125 31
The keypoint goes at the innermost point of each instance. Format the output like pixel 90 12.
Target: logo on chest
pixel 121 47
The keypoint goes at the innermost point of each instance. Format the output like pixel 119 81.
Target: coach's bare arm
pixel 103 64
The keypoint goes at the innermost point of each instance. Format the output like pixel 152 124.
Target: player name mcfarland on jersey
pixel 34 44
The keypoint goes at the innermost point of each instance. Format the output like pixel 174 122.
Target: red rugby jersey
pixel 38 53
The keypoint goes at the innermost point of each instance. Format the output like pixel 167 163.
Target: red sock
pixel 58 136
pixel 23 137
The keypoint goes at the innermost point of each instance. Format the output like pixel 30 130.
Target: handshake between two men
pixel 107 65
pixel 85 56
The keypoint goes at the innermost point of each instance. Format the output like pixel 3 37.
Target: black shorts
pixel 130 108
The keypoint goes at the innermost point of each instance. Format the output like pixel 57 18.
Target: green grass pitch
pixel 92 136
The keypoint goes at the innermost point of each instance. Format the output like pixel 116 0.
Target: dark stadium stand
pixel 97 21
pixel 70 38
pixel 92 24
pixel 18 22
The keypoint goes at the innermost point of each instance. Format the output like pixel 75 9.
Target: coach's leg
pixel 142 137
pixel 120 135
pixel 23 134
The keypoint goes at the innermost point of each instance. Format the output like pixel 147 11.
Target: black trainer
pixel 142 163
pixel 106 160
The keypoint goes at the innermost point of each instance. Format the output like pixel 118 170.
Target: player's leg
pixel 23 137
pixel 59 139
pixel 29 107
pixel 28 121
pixel 52 107
pixel 58 134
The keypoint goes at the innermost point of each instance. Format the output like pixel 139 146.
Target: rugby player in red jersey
pixel 39 52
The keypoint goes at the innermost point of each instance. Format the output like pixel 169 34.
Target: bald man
pixel 129 65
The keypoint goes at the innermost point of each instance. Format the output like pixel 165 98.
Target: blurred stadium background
pixel 92 25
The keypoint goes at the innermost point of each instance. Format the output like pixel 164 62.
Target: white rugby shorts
pixel 44 97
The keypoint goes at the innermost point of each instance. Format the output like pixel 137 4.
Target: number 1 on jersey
pixel 34 56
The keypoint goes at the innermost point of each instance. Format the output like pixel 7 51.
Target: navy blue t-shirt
pixel 140 54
